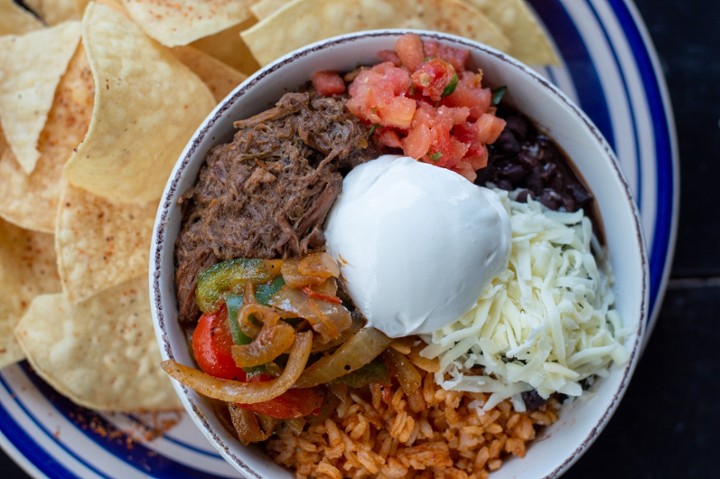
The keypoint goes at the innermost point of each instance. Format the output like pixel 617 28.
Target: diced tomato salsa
pixel 328 83
pixel 423 100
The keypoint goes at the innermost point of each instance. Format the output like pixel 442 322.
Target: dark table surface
pixel 670 417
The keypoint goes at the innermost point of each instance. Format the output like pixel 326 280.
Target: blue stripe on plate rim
pixel 106 435
pixel 666 157
pixel 587 84
pixel 184 444
pixel 26 445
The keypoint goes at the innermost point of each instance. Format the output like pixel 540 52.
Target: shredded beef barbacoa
pixel 266 194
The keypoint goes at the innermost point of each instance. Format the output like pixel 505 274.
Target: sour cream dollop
pixel 416 243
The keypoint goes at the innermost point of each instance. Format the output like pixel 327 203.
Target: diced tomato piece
pixel 389 138
pixel 466 170
pixel 212 345
pixel 431 138
pixel 470 93
pixel 293 403
pixel 455 56
pixel 417 143
pixel 410 51
pixel 489 128
pixel 389 56
pixel 398 112
pixel 328 83
pixel 446 150
pixel 452 116
pixel 432 77
pixel 479 158
pixel 424 114
pixel 477 154
pixel 378 96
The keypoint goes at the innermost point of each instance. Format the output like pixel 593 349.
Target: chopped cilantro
pixel 452 84
pixel 498 94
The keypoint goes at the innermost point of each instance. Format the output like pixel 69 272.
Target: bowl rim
pixel 160 241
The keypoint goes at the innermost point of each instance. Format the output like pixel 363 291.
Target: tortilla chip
pixel 220 78
pixel 100 244
pixel 179 22
pixel 101 353
pixel 147 105
pixel 528 41
pixel 229 47
pixel 81 4
pixel 305 21
pixel 56 11
pixel 30 201
pixel 15 20
pixel 264 8
pixel 31 66
pixel 27 269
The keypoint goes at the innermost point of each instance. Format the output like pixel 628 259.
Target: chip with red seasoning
pixel 100 353
pixel 27 269
pixel 32 65
pixel 147 105
pixel 302 22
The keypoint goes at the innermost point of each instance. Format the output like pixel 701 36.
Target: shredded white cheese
pixel 547 322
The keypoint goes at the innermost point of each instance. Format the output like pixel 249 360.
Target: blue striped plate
pixel 608 67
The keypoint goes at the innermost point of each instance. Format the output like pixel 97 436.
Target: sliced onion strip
pixel 272 341
pixel 401 367
pixel 247 393
pixel 250 313
pixel 329 319
pixel 246 425
pixel 360 349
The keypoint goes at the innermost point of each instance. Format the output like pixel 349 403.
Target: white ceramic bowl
pixel 582 420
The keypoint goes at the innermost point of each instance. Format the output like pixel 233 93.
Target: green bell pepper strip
pixel 234 302
pixel 265 291
pixel 373 372
pixel 230 277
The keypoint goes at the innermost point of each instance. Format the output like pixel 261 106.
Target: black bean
pixel 524 159
pixel 522 196
pixel 581 195
pixel 504 184
pixel 513 172
pixel 533 400
pixel 507 143
pixel 535 180
pixel 519 125
pixel 547 171
pixel 528 156
pixel 569 203
pixel 550 198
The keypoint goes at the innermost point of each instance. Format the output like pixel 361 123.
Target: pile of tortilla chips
pixel 97 101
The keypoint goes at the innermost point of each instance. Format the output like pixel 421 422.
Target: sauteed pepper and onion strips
pixel 261 314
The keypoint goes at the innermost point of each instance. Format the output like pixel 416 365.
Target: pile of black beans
pixel 524 159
